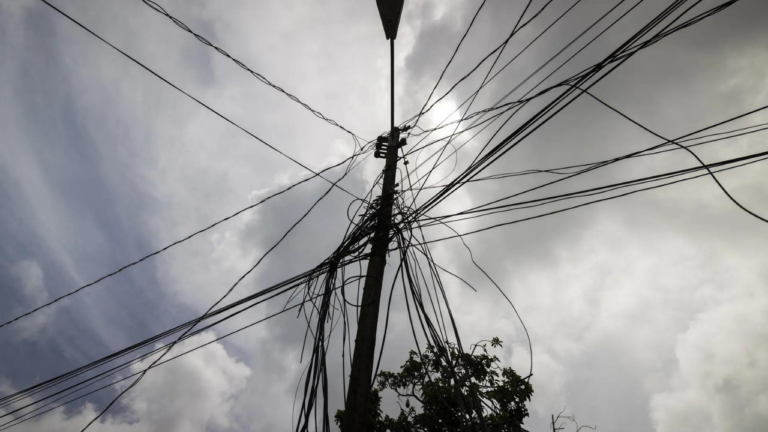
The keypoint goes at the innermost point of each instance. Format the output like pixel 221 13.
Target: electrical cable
pixel 558 171
pixel 440 78
pixel 91 32
pixel 576 206
pixel 175 243
pixel 595 190
pixel 682 147
pixel 543 115
pixel 159 9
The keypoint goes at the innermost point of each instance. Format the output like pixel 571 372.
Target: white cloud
pixel 31 279
pixel 193 393
pixel 722 374
pixel 30 275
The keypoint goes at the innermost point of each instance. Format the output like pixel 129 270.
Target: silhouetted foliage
pixel 435 395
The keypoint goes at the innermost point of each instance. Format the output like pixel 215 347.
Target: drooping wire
pixel 563 210
pixel 682 147
pixel 623 157
pixel 537 202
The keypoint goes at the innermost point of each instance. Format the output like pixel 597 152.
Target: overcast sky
pixel 648 312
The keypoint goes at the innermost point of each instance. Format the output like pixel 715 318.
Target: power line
pixel 229 291
pixel 91 32
pixel 322 307
pixel 515 30
pixel 440 78
pixel 682 147
pixel 470 116
pixel 177 242
pixel 581 205
pixel 568 45
pixel 279 288
pixel 559 171
pixel 611 62
pixel 475 68
pixel 523 100
pixel 595 190
pixel 16 421
pixel 623 157
pixel 315 174
pixel 159 9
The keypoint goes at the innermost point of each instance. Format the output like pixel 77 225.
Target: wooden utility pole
pixel 360 380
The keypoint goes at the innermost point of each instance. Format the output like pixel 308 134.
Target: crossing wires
pixel 327 296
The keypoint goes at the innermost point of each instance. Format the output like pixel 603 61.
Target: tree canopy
pixel 450 391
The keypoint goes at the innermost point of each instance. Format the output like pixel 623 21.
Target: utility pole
pixel 360 379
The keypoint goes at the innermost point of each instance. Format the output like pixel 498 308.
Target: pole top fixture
pixel 390 11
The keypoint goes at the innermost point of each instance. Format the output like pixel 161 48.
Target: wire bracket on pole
pixel 382 143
